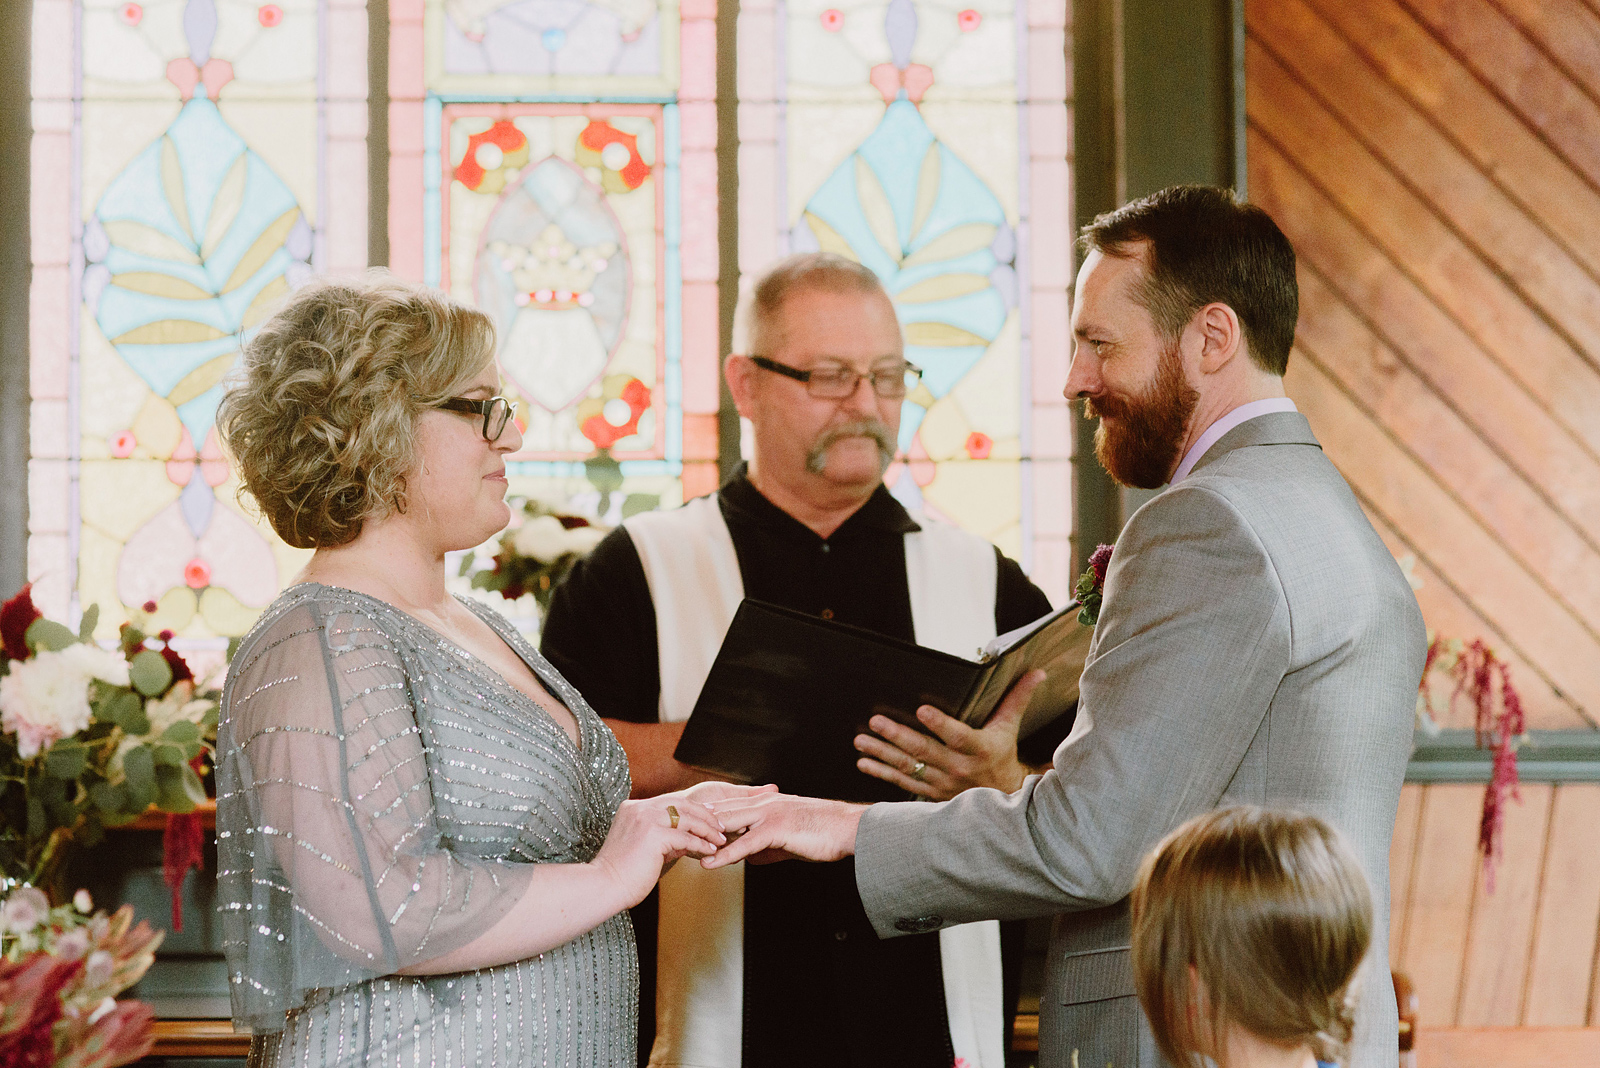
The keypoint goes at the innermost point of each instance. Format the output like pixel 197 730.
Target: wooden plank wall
pixel 1437 165
pixel 1523 957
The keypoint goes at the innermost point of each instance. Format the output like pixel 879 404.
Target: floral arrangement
pixel 59 976
pixel 1473 671
pixel 92 738
pixel 536 555
pixel 1092 583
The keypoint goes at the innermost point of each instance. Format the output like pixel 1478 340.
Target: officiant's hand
pixel 959 757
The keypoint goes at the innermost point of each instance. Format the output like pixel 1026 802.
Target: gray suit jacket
pixel 1257 644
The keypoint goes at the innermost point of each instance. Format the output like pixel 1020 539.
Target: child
pixel 1248 928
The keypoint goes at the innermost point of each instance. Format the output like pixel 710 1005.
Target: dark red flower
pixel 180 667
pixel 16 616
pixel 1100 560
pixel 181 849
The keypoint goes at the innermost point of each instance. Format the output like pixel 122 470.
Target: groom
pixel 1256 644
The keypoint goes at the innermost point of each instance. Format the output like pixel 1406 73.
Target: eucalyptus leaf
pixel 111 799
pixel 173 793
pixel 166 755
pixel 122 708
pixel 208 722
pixel 36 821
pixel 65 760
pixel 138 766
pixel 48 634
pixel 91 619
pixel 137 723
pixel 181 732
pixel 150 672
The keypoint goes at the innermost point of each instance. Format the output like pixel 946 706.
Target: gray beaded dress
pixel 382 796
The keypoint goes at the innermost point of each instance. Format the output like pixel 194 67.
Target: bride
pixel 425 849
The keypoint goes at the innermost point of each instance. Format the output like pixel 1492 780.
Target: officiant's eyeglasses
pixel 496 412
pixel 837 383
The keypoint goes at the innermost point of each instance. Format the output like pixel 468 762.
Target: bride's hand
pixel 648 836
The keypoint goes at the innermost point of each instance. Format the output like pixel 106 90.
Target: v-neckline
pixel 482 667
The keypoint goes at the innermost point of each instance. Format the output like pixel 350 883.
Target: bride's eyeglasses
pixel 496 412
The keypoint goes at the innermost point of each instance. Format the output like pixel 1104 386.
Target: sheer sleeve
pixel 332 867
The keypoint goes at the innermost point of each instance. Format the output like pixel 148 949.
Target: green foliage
pixel 66 760
pixel 90 620
pixel 150 672
pixel 139 775
pixel 49 635
pixel 110 772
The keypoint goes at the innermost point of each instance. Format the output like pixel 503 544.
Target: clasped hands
pixel 764 826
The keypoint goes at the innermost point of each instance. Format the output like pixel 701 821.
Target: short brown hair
pixel 321 421
pixel 1207 246
pixel 1272 912
pixel 826 271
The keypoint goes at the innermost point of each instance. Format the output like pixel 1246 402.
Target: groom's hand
pixel 771 827
pixel 958 757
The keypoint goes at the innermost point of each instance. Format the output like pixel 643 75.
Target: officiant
pixel 777 965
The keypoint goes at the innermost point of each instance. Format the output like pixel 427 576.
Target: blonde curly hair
pixel 321 420
pixel 1274 915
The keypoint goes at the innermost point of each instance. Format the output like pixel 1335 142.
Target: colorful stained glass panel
pixel 200 165
pixel 897 134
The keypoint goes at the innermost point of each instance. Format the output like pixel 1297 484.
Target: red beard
pixel 1138 439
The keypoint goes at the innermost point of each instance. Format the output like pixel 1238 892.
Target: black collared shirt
pixel 820 987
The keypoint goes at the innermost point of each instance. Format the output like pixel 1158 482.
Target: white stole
pixel 695 584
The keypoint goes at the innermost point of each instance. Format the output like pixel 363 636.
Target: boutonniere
pixel 1091 585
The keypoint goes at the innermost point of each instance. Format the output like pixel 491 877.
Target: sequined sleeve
pixel 332 865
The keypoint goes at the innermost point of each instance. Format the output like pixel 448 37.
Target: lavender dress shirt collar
pixel 1215 431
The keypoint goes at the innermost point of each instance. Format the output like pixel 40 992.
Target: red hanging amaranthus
pixel 1475 669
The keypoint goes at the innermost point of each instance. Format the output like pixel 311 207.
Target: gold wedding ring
pixel 672 814
pixel 917 769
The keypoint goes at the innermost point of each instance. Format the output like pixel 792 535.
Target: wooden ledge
pixel 198 1038
pixel 216 1038
pixel 156 820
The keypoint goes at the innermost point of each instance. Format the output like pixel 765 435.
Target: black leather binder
pixel 789 692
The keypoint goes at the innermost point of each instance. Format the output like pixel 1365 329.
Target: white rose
pixel 46 698
pixel 541 537
pixel 582 540
pixel 178 705
pixel 107 665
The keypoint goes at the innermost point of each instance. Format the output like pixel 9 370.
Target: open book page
pixel 1056 644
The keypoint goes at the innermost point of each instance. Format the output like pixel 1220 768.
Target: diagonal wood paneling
pixel 1437 165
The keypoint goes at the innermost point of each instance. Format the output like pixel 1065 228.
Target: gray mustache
pixel 878 431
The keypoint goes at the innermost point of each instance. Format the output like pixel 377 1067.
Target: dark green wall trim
pixel 1547 756
pixel 16 274
pixel 727 223
pixel 1096 187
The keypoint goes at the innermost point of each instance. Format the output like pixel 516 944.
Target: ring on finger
pixel 918 768
pixel 672 814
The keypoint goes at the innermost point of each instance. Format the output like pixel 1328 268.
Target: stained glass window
pixel 928 140
pixel 194 160
pixel 565 182
pixel 554 162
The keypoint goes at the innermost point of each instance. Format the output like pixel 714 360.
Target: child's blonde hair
pixel 1271 913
